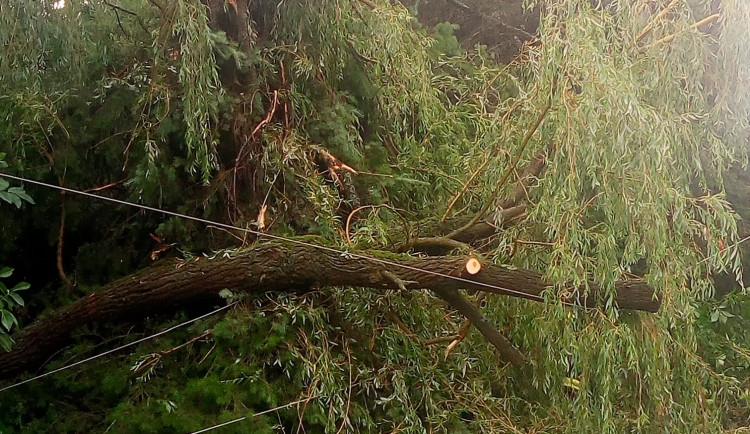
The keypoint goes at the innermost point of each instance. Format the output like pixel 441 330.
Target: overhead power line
pixel 276 237
pixel 136 342
pixel 240 419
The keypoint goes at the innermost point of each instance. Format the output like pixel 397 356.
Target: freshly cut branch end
pixel 473 266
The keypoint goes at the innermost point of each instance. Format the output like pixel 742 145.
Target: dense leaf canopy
pixel 349 123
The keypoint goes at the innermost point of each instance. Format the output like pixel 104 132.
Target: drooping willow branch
pixel 508 171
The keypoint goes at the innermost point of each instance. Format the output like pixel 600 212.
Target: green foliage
pixel 9 299
pixel 273 352
pixel 446 43
pixel 637 138
pixel 723 343
pixel 200 82
pixel 12 195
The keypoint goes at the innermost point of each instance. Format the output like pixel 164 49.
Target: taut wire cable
pixel 163 332
pixel 277 237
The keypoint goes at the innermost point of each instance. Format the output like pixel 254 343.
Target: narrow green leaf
pixel 10 198
pixel 17 298
pixel 21 193
pixel 5 341
pixel 6 272
pixel 27 198
pixel 7 319
pixel 715 316
pixel 21 286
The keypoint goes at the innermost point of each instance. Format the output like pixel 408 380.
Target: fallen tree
pixel 347 120
pixel 287 267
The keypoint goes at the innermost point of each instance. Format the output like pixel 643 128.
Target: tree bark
pixel 277 267
pixel 507 351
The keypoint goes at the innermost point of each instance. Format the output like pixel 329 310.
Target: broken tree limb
pixel 512 208
pixel 507 351
pixel 508 171
pixel 277 266
pixel 436 246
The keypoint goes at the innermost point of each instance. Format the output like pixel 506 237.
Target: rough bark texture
pixel 276 267
pixel 507 351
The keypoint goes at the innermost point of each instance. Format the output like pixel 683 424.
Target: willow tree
pixel 586 175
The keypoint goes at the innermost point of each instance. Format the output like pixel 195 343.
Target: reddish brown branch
pixel 154 358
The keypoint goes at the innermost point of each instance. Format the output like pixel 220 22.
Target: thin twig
pixel 464 188
pixel 210 350
pixel 106 186
pixel 439 340
pixel 154 358
pixel 653 21
pixel 369 4
pixel 396 320
pixel 159 6
pixel 264 121
pixel 401 284
pixel 704 21
pixel 355 211
pixel 534 243
pixel 119 23
pixel 349 397
pixel 118 9
pixel 283 84
pixel 60 237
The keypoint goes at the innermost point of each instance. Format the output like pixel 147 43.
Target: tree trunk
pixel 276 267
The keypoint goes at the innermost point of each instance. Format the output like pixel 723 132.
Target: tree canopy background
pixel 354 126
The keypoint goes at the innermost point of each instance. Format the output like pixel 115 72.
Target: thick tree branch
pixel 507 351
pixel 279 267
